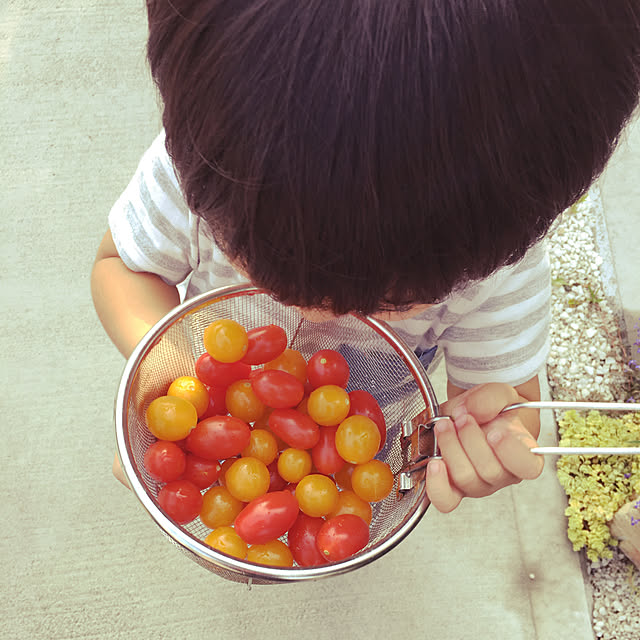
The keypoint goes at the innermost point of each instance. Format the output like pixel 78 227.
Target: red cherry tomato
pixel 278 389
pixel 220 374
pixel 342 536
pixel 296 429
pixel 265 344
pixel 276 481
pixel 217 406
pixel 327 367
pixel 267 517
pixel 324 454
pixel 165 461
pixel 180 500
pixel 302 541
pixel 362 403
pixel 203 473
pixel 219 437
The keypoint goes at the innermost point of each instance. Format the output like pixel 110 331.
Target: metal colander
pixel 379 362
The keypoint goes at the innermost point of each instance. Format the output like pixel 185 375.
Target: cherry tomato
pixel 274 553
pixel 226 540
pixel 328 405
pixel 225 340
pixel 302 541
pixel 350 502
pixel 292 362
pixel 267 517
pixel 317 495
pixel 192 390
pixel 217 405
pixel 277 482
pixel 180 500
pixel 242 401
pixel 262 446
pixel 219 507
pixel 343 477
pixel 165 461
pixel 357 439
pixel 171 418
pixel 327 367
pixel 220 374
pixel 278 389
pixel 265 344
pixel 342 536
pixel 373 480
pixel 296 429
pixel 294 464
pixel 203 473
pixel 219 437
pixel 362 403
pixel 247 478
pixel 324 454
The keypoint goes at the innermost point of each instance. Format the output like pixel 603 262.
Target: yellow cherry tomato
pixel 226 340
pixel 171 418
pixel 274 553
pixel 373 480
pixel 192 390
pixel 328 405
pixel 226 540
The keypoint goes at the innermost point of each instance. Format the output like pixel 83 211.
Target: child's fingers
pixel 482 457
pixel 512 447
pixel 461 471
pixel 443 495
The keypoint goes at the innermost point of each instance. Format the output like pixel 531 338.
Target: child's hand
pixel 481 450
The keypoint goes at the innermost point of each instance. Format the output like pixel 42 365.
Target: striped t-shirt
pixel 495 330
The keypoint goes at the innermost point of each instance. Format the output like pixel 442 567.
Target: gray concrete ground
pixel 80 558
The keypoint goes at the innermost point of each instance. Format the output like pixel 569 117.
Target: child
pixel 390 157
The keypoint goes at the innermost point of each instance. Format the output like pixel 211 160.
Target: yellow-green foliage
pixel 597 486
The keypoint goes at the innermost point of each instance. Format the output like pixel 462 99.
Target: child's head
pixel 357 154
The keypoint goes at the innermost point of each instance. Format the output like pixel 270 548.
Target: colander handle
pixel 420 443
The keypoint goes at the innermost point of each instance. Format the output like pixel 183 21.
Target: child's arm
pixel 128 303
pixel 483 451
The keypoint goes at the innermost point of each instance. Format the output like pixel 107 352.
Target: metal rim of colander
pixel 193 544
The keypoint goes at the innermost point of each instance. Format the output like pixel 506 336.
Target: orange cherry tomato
pixel 292 362
pixel 317 495
pixel 294 464
pixel 226 340
pixel 373 480
pixel 192 390
pixel 242 402
pixel 219 508
pixel 262 445
pixel 247 478
pixel 350 502
pixel 328 405
pixel 357 439
pixel 226 540
pixel 274 553
pixel 171 418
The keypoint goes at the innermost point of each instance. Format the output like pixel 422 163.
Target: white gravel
pixel 587 363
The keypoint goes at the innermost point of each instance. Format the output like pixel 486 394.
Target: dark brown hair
pixel 368 153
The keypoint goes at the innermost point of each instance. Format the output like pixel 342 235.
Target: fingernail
pixel 493 437
pixel 442 426
pixel 434 467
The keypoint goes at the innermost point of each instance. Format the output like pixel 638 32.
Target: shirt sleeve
pixel 506 338
pixel 150 222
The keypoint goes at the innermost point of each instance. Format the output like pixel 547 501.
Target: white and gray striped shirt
pixel 495 330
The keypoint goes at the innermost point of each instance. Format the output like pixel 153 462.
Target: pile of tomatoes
pixel 261 443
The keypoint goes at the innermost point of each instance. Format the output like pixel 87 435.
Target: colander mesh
pixel 375 364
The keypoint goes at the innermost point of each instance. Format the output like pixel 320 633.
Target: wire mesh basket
pixel 380 363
